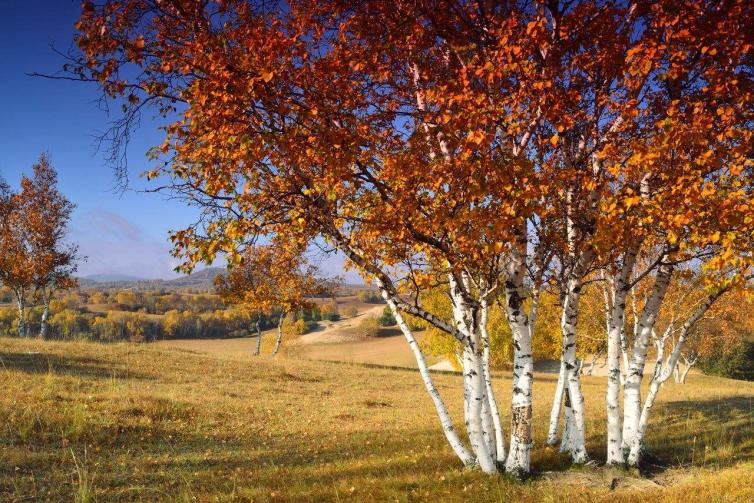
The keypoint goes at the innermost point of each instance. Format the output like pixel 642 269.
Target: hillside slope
pixel 129 422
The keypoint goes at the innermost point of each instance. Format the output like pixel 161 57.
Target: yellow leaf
pixel 267 76
pixel 554 140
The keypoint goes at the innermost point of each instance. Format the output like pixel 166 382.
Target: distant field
pixel 125 422
pixel 333 341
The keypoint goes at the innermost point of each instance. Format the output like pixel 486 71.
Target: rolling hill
pixel 203 279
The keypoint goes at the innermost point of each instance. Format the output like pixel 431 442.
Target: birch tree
pixel 15 260
pixel 46 216
pixel 341 175
pixel 407 137
pixel 274 280
pixel 36 260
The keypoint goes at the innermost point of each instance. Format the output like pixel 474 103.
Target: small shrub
pixel 330 316
pixel 738 364
pixel 369 327
pixel 298 327
pixel 386 319
pixel 370 297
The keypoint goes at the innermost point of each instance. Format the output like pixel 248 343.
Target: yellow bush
pixel 369 327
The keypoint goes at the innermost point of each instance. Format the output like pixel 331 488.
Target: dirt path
pixel 334 331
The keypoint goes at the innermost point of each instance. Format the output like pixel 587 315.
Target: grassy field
pixel 125 422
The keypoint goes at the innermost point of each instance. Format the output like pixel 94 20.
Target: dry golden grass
pixel 123 422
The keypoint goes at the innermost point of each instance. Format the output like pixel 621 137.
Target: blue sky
pixel 124 233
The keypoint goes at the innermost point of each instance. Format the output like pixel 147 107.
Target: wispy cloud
pixel 112 225
pixel 114 244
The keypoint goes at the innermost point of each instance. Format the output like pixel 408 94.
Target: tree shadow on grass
pixel 713 433
pixel 77 366
pixel 708 433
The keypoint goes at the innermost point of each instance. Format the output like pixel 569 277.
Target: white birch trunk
pixel 632 388
pixel 280 334
pixel 474 391
pixel 637 441
pixel 685 373
pixel 488 425
pixel 614 430
pixel 676 373
pixel 624 356
pixel 447 424
pixel 499 452
pixel 21 302
pixel 259 339
pixel 474 424
pixel 466 392
pixel 519 450
pixel 568 326
pixel 557 402
pixel 565 442
pixel 616 347
pixel 44 327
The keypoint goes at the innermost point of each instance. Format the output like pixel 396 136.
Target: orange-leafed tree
pixel 15 261
pixel 653 169
pixel 396 142
pixel 46 215
pixel 436 139
pixel 36 261
pixel 273 279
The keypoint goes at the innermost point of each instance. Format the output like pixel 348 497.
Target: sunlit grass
pixel 123 422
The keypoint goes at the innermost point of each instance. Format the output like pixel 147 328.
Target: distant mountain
pixel 204 278
pixel 111 278
pixel 200 280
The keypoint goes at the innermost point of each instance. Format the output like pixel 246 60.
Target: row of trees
pixel 79 315
pixel 79 324
pixel 155 302
pixel 492 150
pixel 35 260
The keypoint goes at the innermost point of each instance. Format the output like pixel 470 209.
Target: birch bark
pixel 474 424
pixel 43 326
pixel 615 348
pixel 565 442
pixel 519 452
pixel 645 324
pixel 499 452
pixel 447 424
pixel 568 326
pixel 259 338
pixel 687 364
pixel 21 301
pixel 557 403
pixel 637 441
pixel 280 334
pixel 466 321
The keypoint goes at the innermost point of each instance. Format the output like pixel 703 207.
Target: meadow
pixel 84 421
